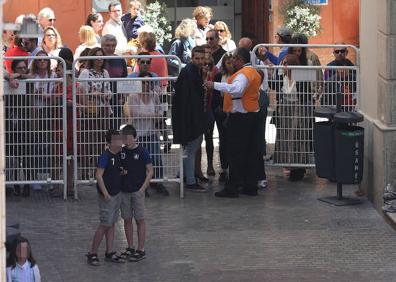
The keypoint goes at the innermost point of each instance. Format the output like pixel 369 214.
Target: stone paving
pixel 284 234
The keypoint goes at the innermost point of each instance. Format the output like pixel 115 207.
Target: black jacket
pixel 188 117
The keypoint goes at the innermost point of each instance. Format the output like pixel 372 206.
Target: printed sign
pixel 101 5
pixel 317 2
pixel 21 90
pixel 304 75
pixel 132 86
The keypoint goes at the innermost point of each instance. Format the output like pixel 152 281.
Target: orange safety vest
pixel 250 96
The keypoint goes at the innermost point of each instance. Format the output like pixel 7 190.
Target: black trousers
pixel 244 151
pixel 219 117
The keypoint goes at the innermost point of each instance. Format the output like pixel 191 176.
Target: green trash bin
pixel 349 148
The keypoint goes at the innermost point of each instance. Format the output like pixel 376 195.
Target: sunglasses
pixel 145 62
pixel 52 20
pixel 220 30
pixel 339 51
pixel 209 38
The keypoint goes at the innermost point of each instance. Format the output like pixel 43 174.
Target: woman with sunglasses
pixel 51 44
pixel 225 36
pixel 145 111
pixel 293 120
pixel 227 69
pixel 16 126
pixel 42 99
pixel 208 73
pixel 94 96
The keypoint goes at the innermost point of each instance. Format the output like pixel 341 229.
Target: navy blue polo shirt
pixel 134 161
pixel 111 163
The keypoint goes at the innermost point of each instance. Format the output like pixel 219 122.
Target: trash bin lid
pixel 325 112
pixel 348 117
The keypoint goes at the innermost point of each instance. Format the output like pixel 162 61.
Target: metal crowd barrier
pixel 106 103
pixel 294 92
pixel 35 135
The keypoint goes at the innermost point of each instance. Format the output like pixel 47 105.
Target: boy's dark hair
pixel 110 133
pixel 12 258
pixel 197 49
pixel 129 129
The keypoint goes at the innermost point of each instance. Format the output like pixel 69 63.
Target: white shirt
pixel 23 273
pixel 116 29
pixel 81 48
pixel 236 89
pixel 229 45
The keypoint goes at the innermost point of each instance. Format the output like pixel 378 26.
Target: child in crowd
pixel 108 177
pixel 138 170
pixel 21 266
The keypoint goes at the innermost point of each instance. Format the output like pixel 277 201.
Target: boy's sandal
pixel 127 253
pixel 113 257
pixel 92 259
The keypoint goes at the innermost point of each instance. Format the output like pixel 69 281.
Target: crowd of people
pixel 217 85
pixel 127 34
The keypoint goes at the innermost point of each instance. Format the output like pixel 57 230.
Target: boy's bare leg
pixel 141 232
pixel 109 239
pixel 128 228
pixel 100 232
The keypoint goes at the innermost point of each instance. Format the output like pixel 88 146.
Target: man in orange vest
pixel 241 101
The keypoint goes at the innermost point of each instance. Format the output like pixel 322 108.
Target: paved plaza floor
pixel 284 234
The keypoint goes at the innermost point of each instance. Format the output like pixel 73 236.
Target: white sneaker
pixel 262 184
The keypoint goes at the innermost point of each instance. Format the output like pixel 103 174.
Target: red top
pixel 15 51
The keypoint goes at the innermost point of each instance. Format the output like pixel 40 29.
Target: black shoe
pixel 297 174
pixel 202 178
pixel 223 176
pixel 137 256
pixel 249 192
pixel 26 190
pixel 196 188
pixel 210 171
pixel 224 194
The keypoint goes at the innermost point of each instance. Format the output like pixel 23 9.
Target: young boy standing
pixel 137 165
pixel 108 177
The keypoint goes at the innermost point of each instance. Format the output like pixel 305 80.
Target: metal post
pixel 2 154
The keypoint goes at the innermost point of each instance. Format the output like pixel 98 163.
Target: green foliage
pixel 155 15
pixel 301 17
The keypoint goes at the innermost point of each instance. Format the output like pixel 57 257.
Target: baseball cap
pixel 284 32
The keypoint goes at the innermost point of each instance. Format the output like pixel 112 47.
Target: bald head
pixel 245 43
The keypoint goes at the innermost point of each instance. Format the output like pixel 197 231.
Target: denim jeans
pixel 152 144
pixel 189 161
